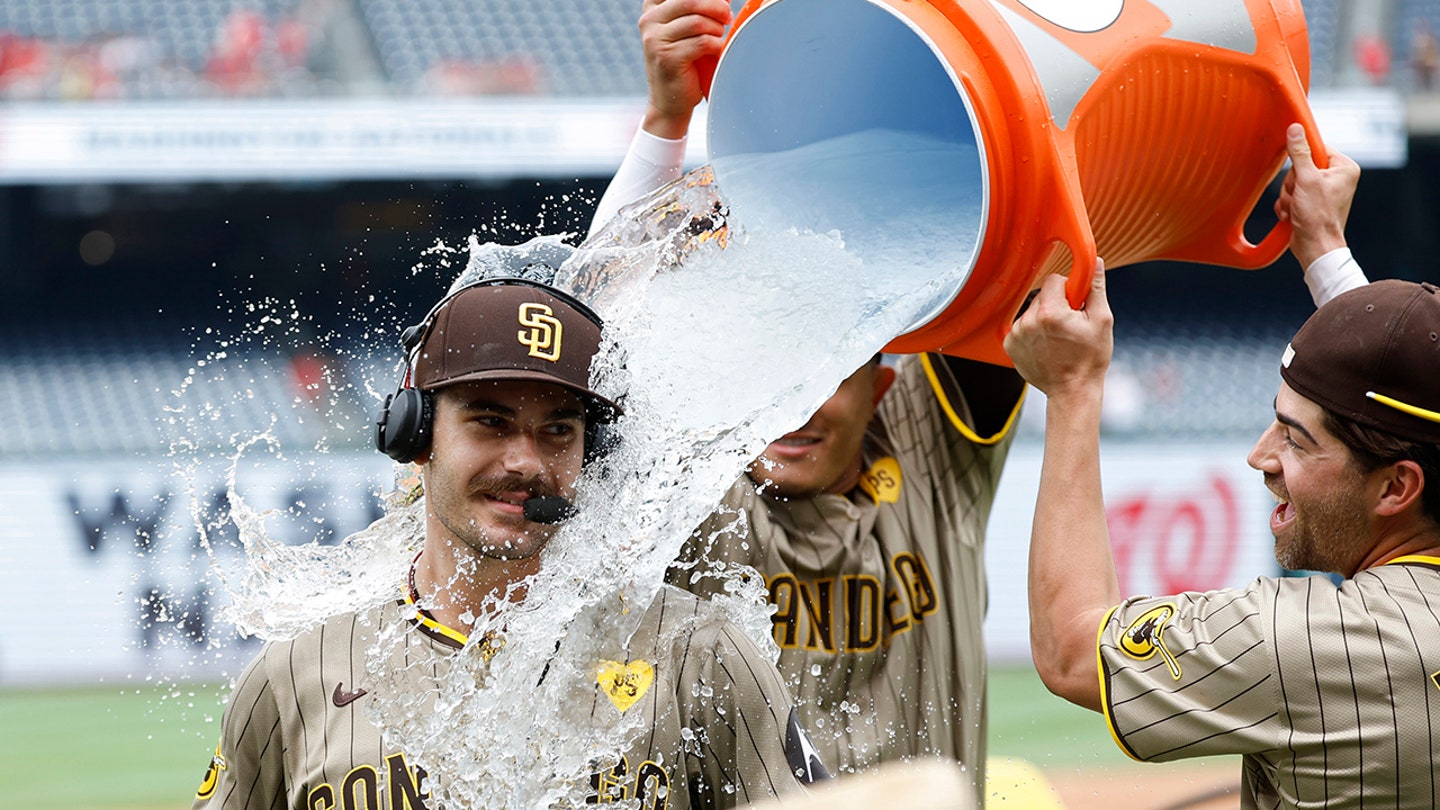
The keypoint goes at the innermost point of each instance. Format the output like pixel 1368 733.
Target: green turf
pixel 147 748
pixel 1028 722
pixel 137 749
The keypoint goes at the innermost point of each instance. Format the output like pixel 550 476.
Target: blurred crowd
pixel 251 55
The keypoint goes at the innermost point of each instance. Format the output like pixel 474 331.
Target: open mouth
pixel 1283 515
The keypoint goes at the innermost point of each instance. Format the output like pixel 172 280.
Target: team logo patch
pixel 542 333
pixel 882 481
pixel 1436 679
pixel 1146 636
pixel 624 684
pixel 212 775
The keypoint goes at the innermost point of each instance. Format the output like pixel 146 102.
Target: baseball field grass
pixel 146 747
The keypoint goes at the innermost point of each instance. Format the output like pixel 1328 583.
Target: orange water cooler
pixel 1130 129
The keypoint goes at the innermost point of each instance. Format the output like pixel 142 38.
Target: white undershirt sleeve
pixel 1334 273
pixel 650 163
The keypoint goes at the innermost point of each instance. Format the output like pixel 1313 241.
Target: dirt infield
pixel 1195 786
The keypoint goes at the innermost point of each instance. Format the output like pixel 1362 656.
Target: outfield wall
pixel 103 577
pixel 101 569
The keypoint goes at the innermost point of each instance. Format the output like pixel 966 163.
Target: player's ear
pixel 1401 484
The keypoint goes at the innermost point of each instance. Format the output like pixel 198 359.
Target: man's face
pixel 1323 522
pixel 824 455
pixel 495 445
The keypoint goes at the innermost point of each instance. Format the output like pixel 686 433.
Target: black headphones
pixel 406 419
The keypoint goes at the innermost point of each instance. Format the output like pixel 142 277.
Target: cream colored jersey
pixel 880 598
pixel 294 734
pixel 1332 694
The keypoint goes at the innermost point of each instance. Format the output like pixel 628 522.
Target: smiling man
pixel 1331 693
pixel 498 413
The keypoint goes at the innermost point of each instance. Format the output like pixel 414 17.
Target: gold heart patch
pixel 625 683
pixel 882 481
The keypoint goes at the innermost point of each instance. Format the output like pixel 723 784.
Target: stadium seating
pixel 159 48
pixel 561 47
pixel 146 391
pixel 1321 18
pixel 1419 21
pixel 127 390
pixel 83 49
pixel 1200 380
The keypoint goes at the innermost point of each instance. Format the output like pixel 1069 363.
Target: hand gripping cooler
pixel 1015 138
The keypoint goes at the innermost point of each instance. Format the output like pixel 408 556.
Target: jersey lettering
pixel 361 789
pixel 924 598
pixel 784 589
pixel 651 785
pixel 862 606
pixel 895 624
pixel 406 792
pixel 817 607
pixel 854 618
pixel 1436 679
pixel 610 785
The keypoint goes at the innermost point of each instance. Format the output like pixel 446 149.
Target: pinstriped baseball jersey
pixel 880 596
pixel 294 735
pixel 1332 694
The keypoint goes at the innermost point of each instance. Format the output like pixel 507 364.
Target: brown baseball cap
pixel 510 329
pixel 1373 355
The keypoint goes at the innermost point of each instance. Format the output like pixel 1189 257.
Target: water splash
pixel 716 345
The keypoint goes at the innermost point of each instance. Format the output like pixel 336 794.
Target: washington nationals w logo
pixel 543 332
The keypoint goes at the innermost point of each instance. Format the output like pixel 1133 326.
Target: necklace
pixel 491 642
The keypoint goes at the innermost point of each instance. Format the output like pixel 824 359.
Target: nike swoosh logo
pixel 341 698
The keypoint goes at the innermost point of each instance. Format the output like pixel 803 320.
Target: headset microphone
pixel 548 509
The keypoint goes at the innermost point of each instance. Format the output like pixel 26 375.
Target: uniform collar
pixel 490 644
pixel 1415 559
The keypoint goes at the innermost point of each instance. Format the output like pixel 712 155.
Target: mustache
pixel 1276 484
pixel 495 485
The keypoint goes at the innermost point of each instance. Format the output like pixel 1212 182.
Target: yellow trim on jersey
pixel 1104 696
pixel 1414 558
pixel 432 625
pixel 966 430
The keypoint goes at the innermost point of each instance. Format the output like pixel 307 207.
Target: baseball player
pixel 868 522
pixel 497 411
pixel 1331 693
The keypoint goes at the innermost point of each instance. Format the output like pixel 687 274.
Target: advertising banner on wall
pixel 1189 517
pixel 102 571
pixel 103 575
pixel 291 140
pixel 288 140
